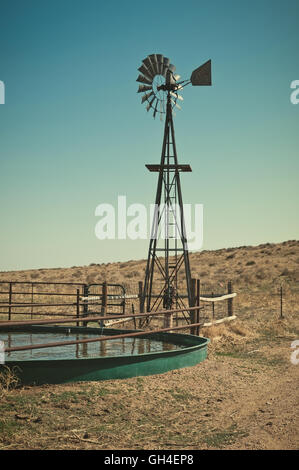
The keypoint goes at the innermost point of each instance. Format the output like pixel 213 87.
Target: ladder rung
pixel 170 249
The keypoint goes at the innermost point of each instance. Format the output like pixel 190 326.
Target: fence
pixel 275 300
pixel 96 299
pixel 85 303
pixel 268 303
pixel 39 299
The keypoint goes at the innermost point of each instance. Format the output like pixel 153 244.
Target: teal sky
pixel 73 132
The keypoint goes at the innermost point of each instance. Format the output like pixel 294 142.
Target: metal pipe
pixel 101 338
pixel 39 293
pixel 40 313
pixel 91 318
pixel 29 304
pixel 44 282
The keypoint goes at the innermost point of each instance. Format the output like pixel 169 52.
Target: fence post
pixel 230 310
pixel 198 304
pixel 168 320
pixel 9 300
pixel 78 307
pixel 134 318
pixel 213 307
pixel 85 303
pixel 281 314
pixel 140 285
pixel 192 313
pixel 124 300
pixel 104 301
pixel 141 309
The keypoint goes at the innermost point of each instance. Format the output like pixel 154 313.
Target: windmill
pixel 161 88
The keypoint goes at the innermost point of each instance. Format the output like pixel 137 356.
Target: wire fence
pixel 56 299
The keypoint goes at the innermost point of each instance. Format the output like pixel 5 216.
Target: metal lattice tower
pixel 168 236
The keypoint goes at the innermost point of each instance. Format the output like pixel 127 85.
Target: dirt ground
pixel 244 396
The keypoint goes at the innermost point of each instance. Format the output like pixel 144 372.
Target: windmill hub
pixel 158 81
pixel 167 87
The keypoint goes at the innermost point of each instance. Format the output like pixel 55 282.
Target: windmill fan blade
pixel 142 79
pixel 142 88
pixel 161 110
pixel 170 78
pixel 150 104
pixel 175 104
pixel 202 75
pixel 148 65
pixel 160 63
pixel 146 96
pixel 176 95
pixel 156 109
pixel 166 63
pixel 153 59
pixel 146 72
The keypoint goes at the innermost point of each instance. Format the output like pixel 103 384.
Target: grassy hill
pixel 247 267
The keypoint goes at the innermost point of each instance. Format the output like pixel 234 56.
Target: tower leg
pixel 171 217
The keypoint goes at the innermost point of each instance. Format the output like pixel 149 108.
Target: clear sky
pixel 73 132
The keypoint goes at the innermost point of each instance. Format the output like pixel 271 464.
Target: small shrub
pixel 260 274
pixel 250 263
pixel 76 274
pixel 91 279
pixel 8 380
pixel 245 277
pixel 34 275
pixel 132 274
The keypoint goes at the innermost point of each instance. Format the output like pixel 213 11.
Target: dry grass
pixel 247 267
pixel 8 380
pixel 244 396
